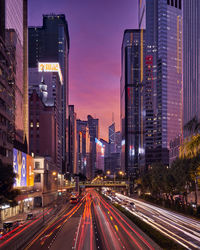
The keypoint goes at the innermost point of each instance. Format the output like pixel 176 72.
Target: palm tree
pixel 191 146
pixel 191 149
pixel 193 126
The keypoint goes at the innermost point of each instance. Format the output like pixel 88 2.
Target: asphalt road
pixel 183 229
pixel 93 223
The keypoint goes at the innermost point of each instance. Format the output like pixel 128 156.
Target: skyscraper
pixel 50 43
pixel 191 60
pixel 111 134
pixel 7 103
pixel 15 21
pixel 163 76
pixel 83 148
pixel 93 125
pixel 72 167
pixel 45 118
pixel 132 104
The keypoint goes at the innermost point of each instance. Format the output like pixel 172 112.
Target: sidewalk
pixel 23 216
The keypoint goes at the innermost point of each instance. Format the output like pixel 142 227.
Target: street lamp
pixel 108 172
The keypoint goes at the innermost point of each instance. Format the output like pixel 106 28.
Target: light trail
pixel 115 214
pixel 86 227
pixel 54 222
pixel 15 235
pixel 184 230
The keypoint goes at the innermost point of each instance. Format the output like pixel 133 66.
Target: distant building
pixel 45 119
pixel 93 125
pixel 111 134
pixel 132 103
pixel 83 149
pixel 100 154
pixel 50 44
pixel 118 141
pixel 191 59
pixel 72 167
pixel 174 151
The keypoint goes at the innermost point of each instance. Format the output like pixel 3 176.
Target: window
pixel 37 124
pixel 37 165
pixel 180 4
pixel 31 124
pixel 37 178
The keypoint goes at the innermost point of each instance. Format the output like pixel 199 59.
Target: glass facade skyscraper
pixel 14 17
pixel 191 62
pixel 132 103
pixel 15 21
pixel 163 76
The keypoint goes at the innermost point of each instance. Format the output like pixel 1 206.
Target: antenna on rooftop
pixel 113 117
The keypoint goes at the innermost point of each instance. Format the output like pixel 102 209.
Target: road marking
pixel 77 233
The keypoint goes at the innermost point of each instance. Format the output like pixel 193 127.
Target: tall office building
pixel 14 16
pixel 50 43
pixel 45 127
pixel 191 60
pixel 93 125
pixel 132 104
pixel 111 135
pixel 7 103
pixel 83 148
pixel 72 166
pixel 163 76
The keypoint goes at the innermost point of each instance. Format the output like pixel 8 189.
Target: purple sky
pixel 96 30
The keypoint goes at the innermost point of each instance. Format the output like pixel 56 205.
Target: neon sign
pixel 50 67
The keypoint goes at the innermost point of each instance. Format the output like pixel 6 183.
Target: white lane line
pixel 77 232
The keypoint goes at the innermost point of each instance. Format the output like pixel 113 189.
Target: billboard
pixel 23 167
pixel 50 67
pixel 29 170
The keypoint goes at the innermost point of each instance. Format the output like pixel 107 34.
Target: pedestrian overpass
pixel 114 184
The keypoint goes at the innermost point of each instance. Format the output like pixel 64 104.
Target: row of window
pixel 175 3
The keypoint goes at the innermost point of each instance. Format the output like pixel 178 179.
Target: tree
pixel 193 126
pixel 7 179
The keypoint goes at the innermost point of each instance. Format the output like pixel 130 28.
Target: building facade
pixel 132 104
pixel 111 135
pixel 45 120
pixel 93 125
pixel 163 76
pixel 14 31
pixel 83 149
pixel 7 103
pixel 50 43
pixel 72 167
pixel 191 59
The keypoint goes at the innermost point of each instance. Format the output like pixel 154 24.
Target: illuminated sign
pixel 99 143
pixel 23 165
pixel 50 67
pixel 29 172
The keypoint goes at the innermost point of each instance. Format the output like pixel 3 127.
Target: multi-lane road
pixel 92 223
pixel 183 229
